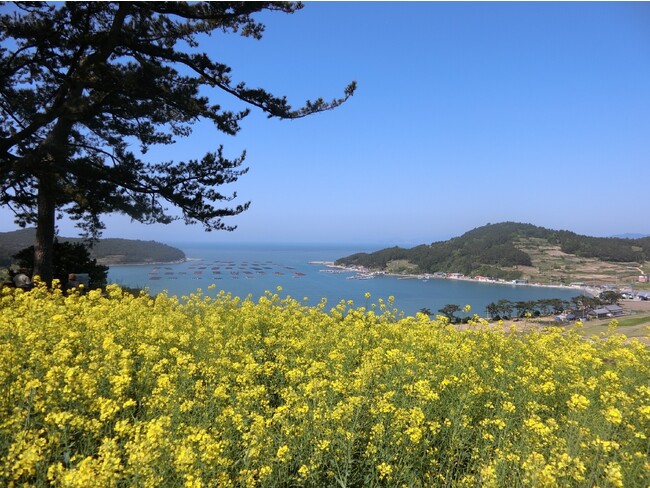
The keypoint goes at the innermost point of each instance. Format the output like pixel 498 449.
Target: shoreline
pixel 365 273
pixel 151 263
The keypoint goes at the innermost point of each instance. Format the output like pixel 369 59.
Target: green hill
pixel 512 250
pixel 107 251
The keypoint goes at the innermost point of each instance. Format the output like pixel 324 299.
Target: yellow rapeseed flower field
pixel 121 390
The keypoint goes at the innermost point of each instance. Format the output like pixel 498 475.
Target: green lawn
pixel 637 326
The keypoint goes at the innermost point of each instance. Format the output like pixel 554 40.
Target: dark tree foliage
pixel 604 248
pixel 586 303
pixel 492 310
pixel 610 297
pixel 505 307
pixel 526 307
pixel 449 311
pixel 644 243
pixel 128 251
pixel 378 259
pixel 68 258
pixel 543 307
pixel 83 83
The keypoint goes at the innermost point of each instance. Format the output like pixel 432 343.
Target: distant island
pixel 516 251
pixel 109 252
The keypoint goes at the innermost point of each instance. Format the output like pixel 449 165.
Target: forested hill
pixel 107 251
pixel 508 250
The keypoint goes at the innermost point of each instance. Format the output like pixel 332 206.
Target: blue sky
pixel 465 114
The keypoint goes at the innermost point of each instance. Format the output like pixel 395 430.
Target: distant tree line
pixel 113 250
pixel 491 250
pixel 506 309
pixel 135 251
pixel 605 248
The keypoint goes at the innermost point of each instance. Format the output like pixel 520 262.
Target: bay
pixel 253 269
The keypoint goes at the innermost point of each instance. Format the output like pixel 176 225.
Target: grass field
pixel 637 326
pixel 551 265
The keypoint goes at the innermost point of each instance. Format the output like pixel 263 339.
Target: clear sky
pixel 465 114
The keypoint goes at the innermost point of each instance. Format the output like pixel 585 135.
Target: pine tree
pixel 80 79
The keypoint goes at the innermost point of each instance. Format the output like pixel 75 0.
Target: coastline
pixel 222 268
pixel 149 263
pixel 364 273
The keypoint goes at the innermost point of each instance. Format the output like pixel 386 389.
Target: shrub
pixel 68 258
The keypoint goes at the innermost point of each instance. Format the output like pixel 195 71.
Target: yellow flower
pixel 385 470
pixel 613 415
pixel 229 390
pixel 414 434
pixel 578 402
pixel 323 445
pixel 614 475
pixel 488 477
pixel 283 453
pixel 644 411
pixel 508 407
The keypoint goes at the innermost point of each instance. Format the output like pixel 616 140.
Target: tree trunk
pixel 44 245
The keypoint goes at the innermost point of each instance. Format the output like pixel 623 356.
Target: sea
pixel 252 269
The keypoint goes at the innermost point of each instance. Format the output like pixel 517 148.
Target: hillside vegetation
pixel 116 390
pixel 107 251
pixel 512 250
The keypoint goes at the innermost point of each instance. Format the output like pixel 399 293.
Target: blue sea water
pixel 252 269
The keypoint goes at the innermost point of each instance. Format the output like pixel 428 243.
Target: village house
pixel 607 311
